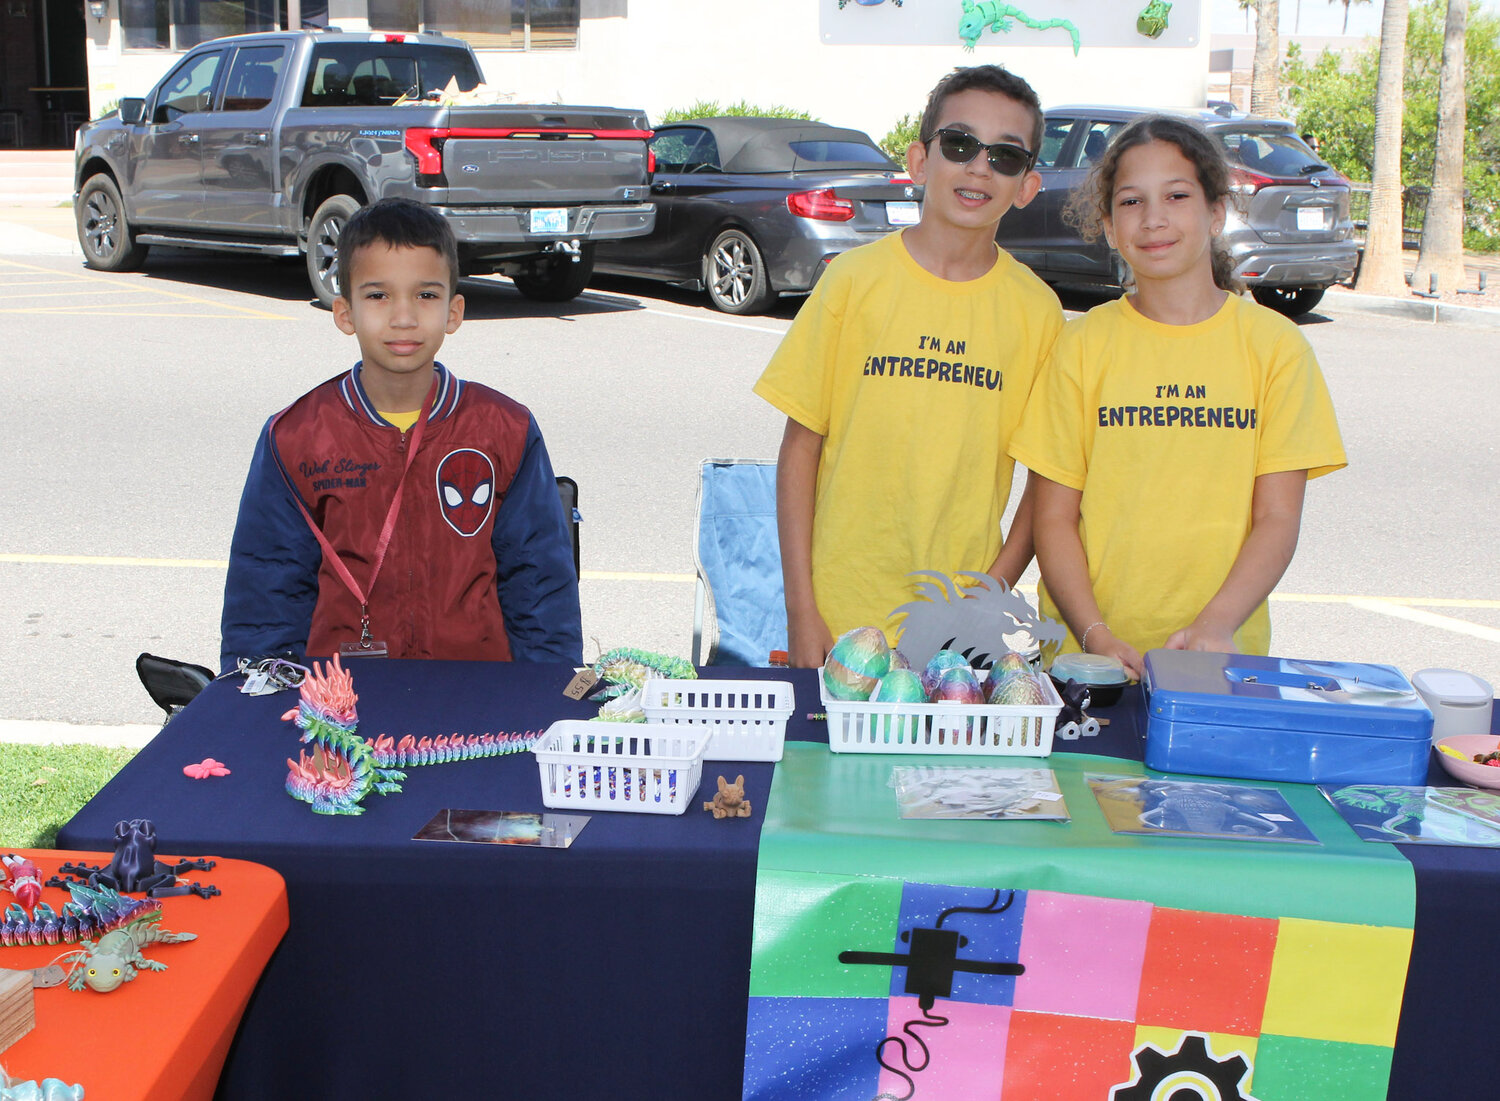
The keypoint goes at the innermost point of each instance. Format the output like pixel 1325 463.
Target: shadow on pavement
pixel 285 280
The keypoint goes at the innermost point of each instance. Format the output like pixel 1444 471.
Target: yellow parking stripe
pixel 1390 605
pixel 104 283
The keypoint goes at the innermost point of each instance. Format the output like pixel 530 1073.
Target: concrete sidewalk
pixel 39 732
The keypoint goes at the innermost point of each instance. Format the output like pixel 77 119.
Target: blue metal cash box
pixel 1265 718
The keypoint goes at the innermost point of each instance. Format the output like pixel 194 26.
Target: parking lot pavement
pixel 119 548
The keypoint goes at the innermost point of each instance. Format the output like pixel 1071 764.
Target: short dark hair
pixel 986 78
pixel 399 223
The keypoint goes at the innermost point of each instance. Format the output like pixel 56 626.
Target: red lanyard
pixel 386 531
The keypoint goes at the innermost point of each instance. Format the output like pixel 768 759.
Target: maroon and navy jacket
pixel 480 564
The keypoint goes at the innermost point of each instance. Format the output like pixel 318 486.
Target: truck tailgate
pixel 522 156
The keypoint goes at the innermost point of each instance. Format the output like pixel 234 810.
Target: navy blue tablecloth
pixel 617 968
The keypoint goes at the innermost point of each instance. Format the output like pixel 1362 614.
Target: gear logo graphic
pixel 1191 1073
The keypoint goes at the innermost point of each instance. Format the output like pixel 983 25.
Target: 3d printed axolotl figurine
pixel 116 958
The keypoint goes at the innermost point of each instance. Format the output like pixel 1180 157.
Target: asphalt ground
pixel 136 399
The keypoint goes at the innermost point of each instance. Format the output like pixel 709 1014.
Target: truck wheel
pixel 736 275
pixel 558 277
pixel 1291 301
pixel 103 232
pixel 323 246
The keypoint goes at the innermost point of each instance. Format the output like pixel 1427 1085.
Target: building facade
pixel 860 63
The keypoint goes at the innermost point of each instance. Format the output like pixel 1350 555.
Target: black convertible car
pixel 752 208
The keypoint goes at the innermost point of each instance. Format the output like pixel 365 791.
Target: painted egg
pixel 956 685
pixel 1011 662
pixel 899 686
pixel 1018 689
pixel 938 663
pixel 856 663
pixel 899 661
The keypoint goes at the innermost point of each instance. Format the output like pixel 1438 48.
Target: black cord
pixel 990 909
pixel 929 1020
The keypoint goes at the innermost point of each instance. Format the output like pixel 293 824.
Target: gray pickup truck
pixel 267 143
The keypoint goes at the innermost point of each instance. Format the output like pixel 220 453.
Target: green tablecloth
pixel 1291 958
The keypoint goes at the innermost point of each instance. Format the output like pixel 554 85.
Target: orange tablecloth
pixel 166 1034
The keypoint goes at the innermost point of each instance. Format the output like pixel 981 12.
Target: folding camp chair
pixel 739 611
pixel 567 490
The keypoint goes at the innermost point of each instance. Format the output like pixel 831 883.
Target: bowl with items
pixel 1105 677
pixel 1472 758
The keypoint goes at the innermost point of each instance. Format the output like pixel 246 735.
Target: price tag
pixel 1310 217
pixel 579 686
pixel 903 214
pixel 549 219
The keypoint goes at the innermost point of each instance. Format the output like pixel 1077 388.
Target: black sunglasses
pixel 961 148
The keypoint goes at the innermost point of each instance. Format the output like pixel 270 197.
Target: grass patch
pixel 42 786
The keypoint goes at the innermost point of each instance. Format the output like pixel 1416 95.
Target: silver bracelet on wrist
pixel 1083 643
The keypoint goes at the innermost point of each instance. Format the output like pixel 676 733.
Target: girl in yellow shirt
pixel 1173 431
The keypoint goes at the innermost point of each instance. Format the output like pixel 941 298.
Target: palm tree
pixel 1443 230
pixel 1382 271
pixel 1264 99
pixel 1346 4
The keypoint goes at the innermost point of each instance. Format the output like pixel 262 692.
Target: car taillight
pixel 395 38
pixel 822 205
pixel 1245 182
pixel 651 162
pixel 424 143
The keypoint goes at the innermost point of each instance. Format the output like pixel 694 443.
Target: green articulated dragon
pixel 999 18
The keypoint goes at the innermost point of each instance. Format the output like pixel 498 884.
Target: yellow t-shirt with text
pixel 1164 428
pixel 916 384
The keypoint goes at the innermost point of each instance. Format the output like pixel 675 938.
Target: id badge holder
pixel 366 647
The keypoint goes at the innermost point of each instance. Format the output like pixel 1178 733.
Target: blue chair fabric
pixel 740 613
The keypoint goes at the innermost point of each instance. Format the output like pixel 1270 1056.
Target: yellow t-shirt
pixel 1165 428
pixel 916 383
pixel 403 421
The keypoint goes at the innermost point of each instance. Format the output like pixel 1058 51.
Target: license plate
pixel 551 219
pixel 1310 217
pixel 903 214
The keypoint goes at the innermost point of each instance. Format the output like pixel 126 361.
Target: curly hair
pixel 985 78
pixel 399 223
pixel 1090 205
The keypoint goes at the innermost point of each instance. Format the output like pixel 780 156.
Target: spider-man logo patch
pixel 466 489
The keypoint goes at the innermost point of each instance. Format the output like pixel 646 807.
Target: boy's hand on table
pixel 1103 641
pixel 808 641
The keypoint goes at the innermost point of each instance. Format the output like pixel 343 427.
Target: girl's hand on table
pixel 1103 641
pixel 1200 636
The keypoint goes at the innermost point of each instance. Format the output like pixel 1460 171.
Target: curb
pixel 1410 309
pixel 42 732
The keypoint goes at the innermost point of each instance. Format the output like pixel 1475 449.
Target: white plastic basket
pixel 746 718
pixel 620 766
pixel 950 729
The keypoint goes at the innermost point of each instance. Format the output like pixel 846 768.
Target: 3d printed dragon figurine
pixel 343 768
pixel 93 912
pixel 625 669
pixel 999 18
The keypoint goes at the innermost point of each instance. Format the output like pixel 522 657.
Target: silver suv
pixel 1288 230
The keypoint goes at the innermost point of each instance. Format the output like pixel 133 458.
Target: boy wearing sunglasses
pixel 904 376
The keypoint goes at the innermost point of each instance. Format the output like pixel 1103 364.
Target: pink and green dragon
pixel 343 768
